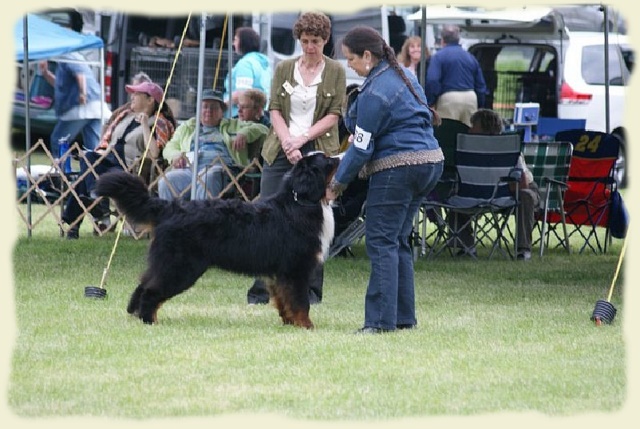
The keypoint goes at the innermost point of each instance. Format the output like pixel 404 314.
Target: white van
pixel 528 55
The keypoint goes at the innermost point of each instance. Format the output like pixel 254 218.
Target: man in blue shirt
pixel 455 85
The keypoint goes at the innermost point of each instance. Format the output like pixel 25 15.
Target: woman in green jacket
pixel 305 105
pixel 221 140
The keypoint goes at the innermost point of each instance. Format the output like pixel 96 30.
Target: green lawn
pixel 494 336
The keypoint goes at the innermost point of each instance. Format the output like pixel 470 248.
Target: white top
pixel 303 102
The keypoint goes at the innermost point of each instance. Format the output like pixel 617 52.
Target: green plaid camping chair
pixel 549 163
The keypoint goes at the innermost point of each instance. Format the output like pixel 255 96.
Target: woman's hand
pixel 330 195
pixel 292 144
pixel 143 118
pixel 294 156
pixel 179 161
pixel 240 142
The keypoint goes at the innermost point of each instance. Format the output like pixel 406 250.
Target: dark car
pixel 41 114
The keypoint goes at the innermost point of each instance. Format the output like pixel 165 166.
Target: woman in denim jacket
pixel 393 145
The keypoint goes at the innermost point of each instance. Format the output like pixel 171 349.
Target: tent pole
pixel 230 31
pixel 423 59
pixel 27 114
pixel 196 143
pixel 605 10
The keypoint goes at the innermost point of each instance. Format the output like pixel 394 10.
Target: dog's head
pixel 311 175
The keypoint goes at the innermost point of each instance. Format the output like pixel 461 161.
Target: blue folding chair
pixel 486 166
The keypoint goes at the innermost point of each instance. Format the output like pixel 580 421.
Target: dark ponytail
pixel 363 38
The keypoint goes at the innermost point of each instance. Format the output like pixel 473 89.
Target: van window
pixel 282 40
pixel 628 56
pixel 142 28
pixel 593 74
pixel 517 73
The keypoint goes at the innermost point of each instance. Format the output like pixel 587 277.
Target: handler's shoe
pixel 524 255
pixel 73 233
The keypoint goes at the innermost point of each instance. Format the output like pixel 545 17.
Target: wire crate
pixel 181 92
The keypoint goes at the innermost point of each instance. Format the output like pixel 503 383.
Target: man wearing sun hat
pixel 221 140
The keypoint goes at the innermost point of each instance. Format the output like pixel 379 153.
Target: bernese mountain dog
pixel 281 239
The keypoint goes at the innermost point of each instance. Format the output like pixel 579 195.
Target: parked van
pixel 528 55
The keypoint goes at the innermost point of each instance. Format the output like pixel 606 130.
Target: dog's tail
pixel 132 197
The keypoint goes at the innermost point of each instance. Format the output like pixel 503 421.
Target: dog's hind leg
pixel 162 283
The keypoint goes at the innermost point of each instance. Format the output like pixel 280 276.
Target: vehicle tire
pixel 621 174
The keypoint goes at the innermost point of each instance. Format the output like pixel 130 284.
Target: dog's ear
pixel 308 180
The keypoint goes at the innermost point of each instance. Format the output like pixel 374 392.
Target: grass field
pixel 493 337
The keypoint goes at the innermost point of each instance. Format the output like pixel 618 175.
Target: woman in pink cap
pixel 123 144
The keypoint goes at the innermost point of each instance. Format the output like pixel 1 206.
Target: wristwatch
pixel 306 135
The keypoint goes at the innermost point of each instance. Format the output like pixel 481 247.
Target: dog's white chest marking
pixel 328 228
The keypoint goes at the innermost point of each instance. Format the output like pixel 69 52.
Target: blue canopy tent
pixel 47 40
pixel 37 39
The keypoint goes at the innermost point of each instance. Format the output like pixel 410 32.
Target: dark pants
pixel 269 183
pixel 72 210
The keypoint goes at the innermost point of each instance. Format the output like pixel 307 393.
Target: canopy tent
pixel 48 40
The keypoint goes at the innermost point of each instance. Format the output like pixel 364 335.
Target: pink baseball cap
pixel 153 89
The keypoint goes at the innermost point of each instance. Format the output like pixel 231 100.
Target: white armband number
pixel 361 138
pixel 243 82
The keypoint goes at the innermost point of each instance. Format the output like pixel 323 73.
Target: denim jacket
pixel 387 121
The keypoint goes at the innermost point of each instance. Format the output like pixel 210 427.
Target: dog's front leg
pixel 276 294
pixel 297 303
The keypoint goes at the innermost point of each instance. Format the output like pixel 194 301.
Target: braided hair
pixel 363 38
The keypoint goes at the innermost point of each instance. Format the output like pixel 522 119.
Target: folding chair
pixel 549 163
pixel 349 216
pixel 446 134
pixel 485 165
pixel 587 200
pixel 350 236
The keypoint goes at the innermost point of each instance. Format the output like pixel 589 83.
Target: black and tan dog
pixel 282 239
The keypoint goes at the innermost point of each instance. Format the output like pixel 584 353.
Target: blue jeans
pixel 177 181
pixel 393 200
pixel 90 128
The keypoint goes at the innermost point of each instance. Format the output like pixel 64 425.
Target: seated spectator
pixel 127 135
pixel 251 105
pixel 137 79
pixel 487 121
pixel 219 139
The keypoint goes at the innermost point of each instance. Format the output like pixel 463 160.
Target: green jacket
pixel 183 136
pixel 331 93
